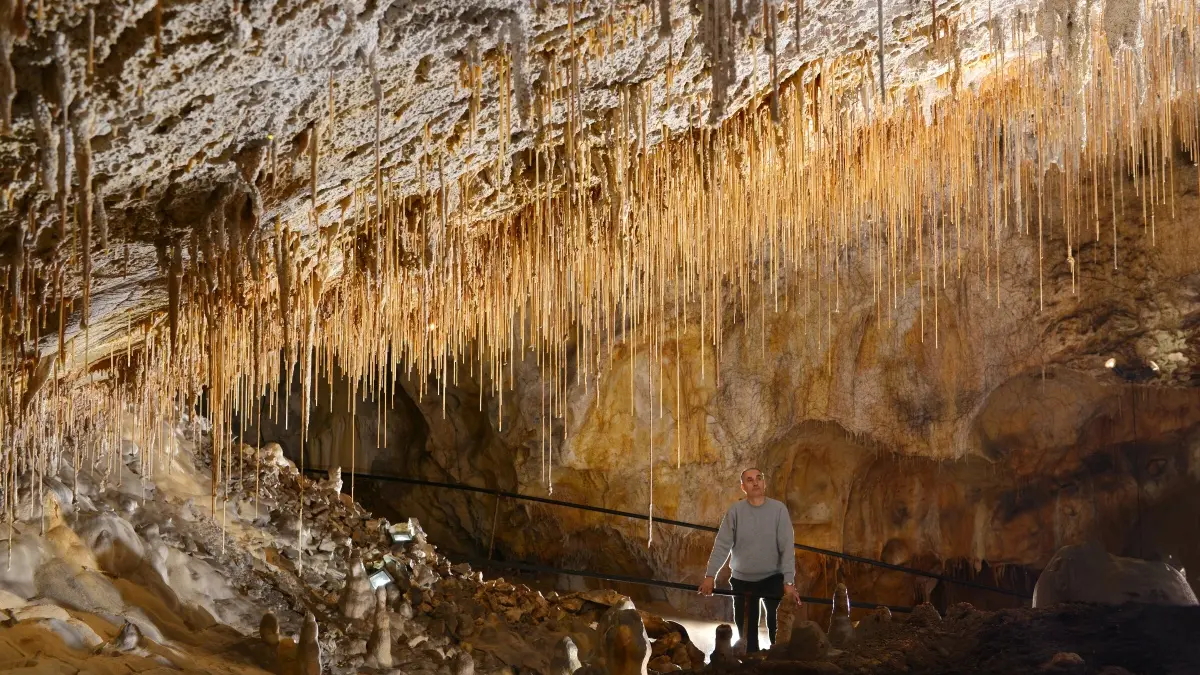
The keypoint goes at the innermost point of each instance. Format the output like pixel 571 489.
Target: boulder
pixel 1088 573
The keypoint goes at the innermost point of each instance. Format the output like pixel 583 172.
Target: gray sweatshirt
pixel 760 539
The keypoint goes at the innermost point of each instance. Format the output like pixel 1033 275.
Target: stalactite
pixel 174 281
pixel 91 53
pixel 66 95
pixel 81 122
pixel 158 26
pixel 100 217
pixel 47 142
pixel 12 29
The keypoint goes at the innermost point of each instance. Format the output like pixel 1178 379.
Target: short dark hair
pixel 751 468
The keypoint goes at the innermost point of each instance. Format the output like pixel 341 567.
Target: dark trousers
pixel 749 595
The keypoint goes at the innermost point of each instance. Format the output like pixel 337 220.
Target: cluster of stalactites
pixel 623 244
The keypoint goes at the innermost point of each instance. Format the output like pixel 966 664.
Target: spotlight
pixel 380 579
pixel 1153 366
pixel 401 532
pixel 1110 364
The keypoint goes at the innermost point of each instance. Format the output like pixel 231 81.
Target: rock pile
pixel 440 616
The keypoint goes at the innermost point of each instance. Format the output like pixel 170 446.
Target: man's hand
pixel 789 591
pixel 706 586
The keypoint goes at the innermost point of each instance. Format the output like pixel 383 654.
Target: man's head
pixel 754 483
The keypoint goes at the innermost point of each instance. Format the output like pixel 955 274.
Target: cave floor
pixel 1070 639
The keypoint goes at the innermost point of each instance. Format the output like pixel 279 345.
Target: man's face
pixel 753 483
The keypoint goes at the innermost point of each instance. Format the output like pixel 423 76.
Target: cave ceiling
pixel 219 183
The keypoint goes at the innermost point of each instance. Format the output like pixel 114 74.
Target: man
pixel 756 536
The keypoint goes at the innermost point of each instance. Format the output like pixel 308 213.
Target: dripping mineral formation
pixel 932 267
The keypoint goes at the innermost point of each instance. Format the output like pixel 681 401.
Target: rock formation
pixel 807 643
pixel 356 599
pixel 924 614
pixel 566 657
pixel 841 628
pixel 308 650
pixel 1088 573
pixel 462 664
pixel 875 622
pixel 379 646
pixel 268 630
pixel 333 480
pixel 723 655
pixel 127 639
pixel 626 645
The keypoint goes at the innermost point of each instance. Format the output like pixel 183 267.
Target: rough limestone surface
pixel 184 98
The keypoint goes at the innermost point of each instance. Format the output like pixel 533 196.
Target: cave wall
pixel 976 445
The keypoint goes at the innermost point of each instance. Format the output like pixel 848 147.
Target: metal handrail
pixel 678 523
pixel 530 567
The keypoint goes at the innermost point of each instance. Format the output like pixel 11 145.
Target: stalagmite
pixel 626 646
pixel 566 657
pixel 356 599
pixel 874 622
pixel 268 630
pixel 379 646
pixel 841 628
pixel 308 651
pixel 723 654
pixel 924 614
